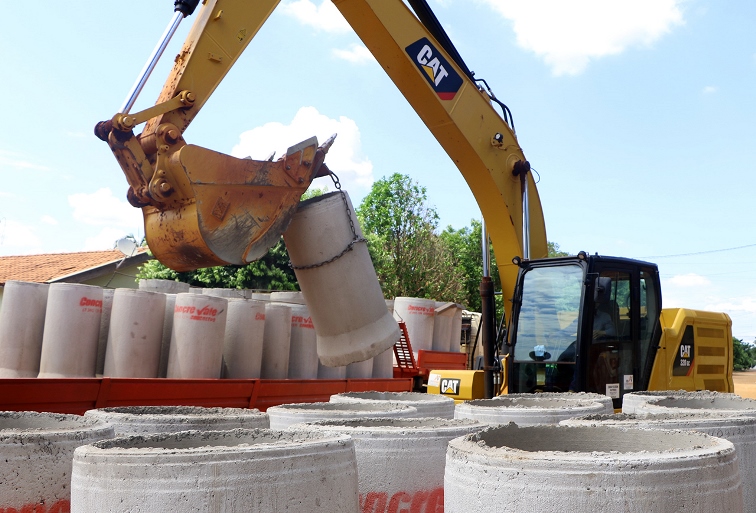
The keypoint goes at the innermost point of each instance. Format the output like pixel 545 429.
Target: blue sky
pixel 637 116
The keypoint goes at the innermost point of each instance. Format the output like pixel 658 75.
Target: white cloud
pixel 4 194
pixel 325 17
pixel 709 89
pixel 101 208
pixel 17 238
pixel 16 160
pixel 568 35
pixel 357 54
pixel 689 280
pixel 106 239
pixel 344 158
pixel 49 220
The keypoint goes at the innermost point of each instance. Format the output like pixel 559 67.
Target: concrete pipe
pixel 227 293
pixel 383 364
pixel 419 316
pixel 553 469
pixel 442 325
pixel 243 339
pixel 400 462
pixel 741 431
pixel 631 401
pixel 199 325
pixel 284 415
pixel 37 450
pixel 135 334
pixel 102 339
pixel 360 370
pixel 164 286
pixel 235 471
pixel 427 405
pixel 72 330
pixel 325 372
pixel 141 420
pixel 276 342
pixel 456 329
pixel 693 402
pixel 288 296
pixel 605 400
pixel 326 245
pixel 165 343
pixel 22 322
pixel 303 351
pixel 526 410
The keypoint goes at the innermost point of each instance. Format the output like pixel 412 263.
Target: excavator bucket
pixel 224 210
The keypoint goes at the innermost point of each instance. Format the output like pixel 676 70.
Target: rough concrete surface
pixel 607 469
pixel 631 401
pixel 741 431
pixel 36 451
pixel 135 420
pixel 400 462
pixel 257 471
pixel 428 405
pixel 526 410
pixel 284 415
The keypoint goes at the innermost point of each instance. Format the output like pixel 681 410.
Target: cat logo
pixel 435 68
pixel 684 351
pixel 450 386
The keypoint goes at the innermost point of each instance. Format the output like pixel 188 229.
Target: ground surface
pixel 745 383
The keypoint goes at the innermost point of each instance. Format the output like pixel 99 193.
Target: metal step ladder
pixel 405 360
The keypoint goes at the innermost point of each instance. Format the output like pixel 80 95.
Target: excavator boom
pixel 203 208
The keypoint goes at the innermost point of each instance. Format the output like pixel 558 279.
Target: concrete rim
pixel 581 447
pixel 389 427
pixel 396 397
pixel 208 445
pixel 26 425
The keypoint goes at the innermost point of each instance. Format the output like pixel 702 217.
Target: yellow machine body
pixel 460 385
pixel 695 352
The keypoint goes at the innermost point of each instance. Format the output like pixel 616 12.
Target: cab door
pixel 624 307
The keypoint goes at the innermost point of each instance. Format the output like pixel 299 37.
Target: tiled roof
pixel 47 267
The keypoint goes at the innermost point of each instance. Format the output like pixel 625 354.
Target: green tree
pixel 409 257
pixel 554 250
pixel 466 248
pixel 743 357
pixel 271 272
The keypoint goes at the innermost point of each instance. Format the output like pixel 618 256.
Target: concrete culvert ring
pixel 135 420
pixel 631 401
pixel 554 469
pixel 697 402
pixel 399 461
pixel 525 409
pixel 239 470
pixel 284 415
pixel 571 396
pixel 428 405
pixel 36 450
pixel 741 431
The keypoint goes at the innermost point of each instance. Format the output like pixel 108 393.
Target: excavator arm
pixel 202 208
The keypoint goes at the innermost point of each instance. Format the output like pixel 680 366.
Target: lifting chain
pixel 355 238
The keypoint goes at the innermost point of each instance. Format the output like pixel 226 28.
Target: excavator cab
pixel 584 323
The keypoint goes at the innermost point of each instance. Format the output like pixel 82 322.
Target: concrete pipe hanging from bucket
pixel 332 264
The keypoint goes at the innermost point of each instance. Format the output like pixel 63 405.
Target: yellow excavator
pixel 202 208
